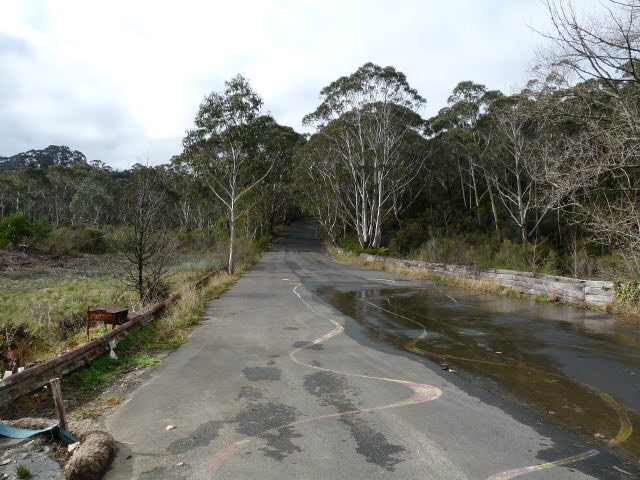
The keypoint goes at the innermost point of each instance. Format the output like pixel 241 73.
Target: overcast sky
pixel 122 80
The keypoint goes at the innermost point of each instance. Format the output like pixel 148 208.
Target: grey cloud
pixel 12 45
pixel 126 98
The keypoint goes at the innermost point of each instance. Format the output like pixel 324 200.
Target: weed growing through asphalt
pixel 22 472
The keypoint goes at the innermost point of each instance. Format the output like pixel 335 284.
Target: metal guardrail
pixel 39 375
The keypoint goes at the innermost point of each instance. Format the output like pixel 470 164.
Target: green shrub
pixel 628 292
pixel 510 256
pixel 14 229
pixel 41 229
pixel 91 240
pixel 404 240
pixel 67 240
pixel 263 244
pixel 201 238
pixel 352 244
pixel 447 250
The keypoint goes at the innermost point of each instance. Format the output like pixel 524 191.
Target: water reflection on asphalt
pixel 577 368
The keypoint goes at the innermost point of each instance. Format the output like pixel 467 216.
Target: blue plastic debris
pixel 56 430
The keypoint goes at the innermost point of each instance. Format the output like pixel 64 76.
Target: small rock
pixel 72 447
pixel 6 461
pixel 180 464
pixel 598 435
pixel 445 366
pixel 170 427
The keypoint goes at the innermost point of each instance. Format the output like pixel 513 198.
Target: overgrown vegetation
pixel 585 260
pixel 628 292
pixel 84 388
pixel 43 317
pixel 543 179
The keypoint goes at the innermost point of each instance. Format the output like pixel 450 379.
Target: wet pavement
pixel 313 368
pixel 577 368
pixel 33 453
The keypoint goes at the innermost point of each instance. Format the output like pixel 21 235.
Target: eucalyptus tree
pixel 223 150
pixel 366 120
pixel 276 197
pixel 63 188
pixel 94 199
pixel 456 128
pixel 321 187
pixel 516 133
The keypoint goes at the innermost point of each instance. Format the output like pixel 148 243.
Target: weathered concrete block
pixel 568 289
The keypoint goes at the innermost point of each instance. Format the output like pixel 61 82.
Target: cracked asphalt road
pixel 245 407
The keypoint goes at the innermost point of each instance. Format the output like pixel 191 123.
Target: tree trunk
pixel 140 278
pixel 494 211
pixel 232 235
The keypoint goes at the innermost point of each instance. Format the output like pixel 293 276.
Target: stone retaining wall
pixel 570 290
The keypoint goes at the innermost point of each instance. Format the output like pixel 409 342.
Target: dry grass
pixel 174 326
pixel 93 411
pixel 138 350
pixel 43 317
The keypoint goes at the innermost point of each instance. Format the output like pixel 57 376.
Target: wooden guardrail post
pixel 57 399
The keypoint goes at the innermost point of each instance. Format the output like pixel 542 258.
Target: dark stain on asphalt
pixel 201 437
pixel 250 393
pixel 302 343
pixel 333 390
pixel 262 373
pixel 259 418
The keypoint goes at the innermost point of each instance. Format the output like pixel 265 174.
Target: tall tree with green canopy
pixel 223 149
pixel 367 120
pixel 456 125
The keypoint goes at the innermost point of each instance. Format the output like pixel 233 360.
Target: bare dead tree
pixel 590 78
pixel 146 249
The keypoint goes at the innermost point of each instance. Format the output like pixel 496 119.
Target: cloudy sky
pixel 121 80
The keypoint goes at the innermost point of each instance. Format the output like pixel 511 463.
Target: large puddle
pixel 576 368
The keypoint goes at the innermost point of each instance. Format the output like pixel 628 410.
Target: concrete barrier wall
pixel 570 290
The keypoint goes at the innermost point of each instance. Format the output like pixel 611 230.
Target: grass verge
pixel 87 391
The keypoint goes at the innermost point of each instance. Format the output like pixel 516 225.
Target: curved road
pixel 276 384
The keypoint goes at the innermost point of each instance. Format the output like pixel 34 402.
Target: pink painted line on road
pixel 217 459
pixel 534 468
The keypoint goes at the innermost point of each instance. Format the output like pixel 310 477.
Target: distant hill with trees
pixel 43 159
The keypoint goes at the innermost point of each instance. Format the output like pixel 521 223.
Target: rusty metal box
pixel 108 314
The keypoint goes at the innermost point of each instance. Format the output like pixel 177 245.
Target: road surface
pixel 276 383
